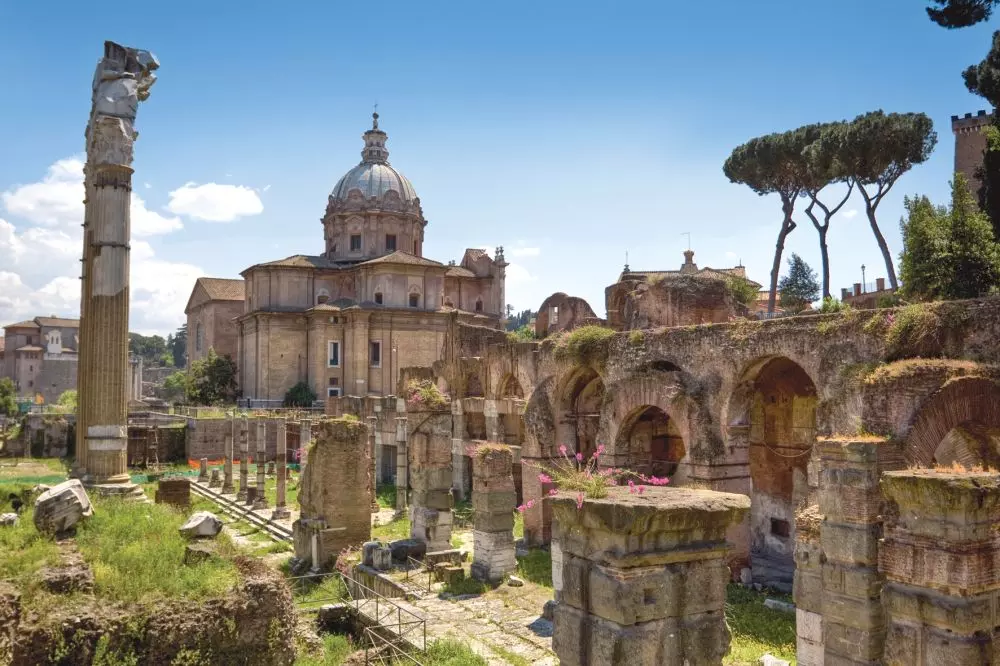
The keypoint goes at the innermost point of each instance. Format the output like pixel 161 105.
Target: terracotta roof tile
pixel 29 348
pixel 459 271
pixel 222 289
pixel 60 322
pixel 400 257
pixel 23 324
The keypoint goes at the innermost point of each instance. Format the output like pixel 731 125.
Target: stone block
pixel 61 507
pixel 449 574
pixel 382 558
pixel 430 478
pixel 865 614
pixel 196 553
pixel 368 552
pixel 175 491
pixel 450 556
pixel 642 594
pixel 960 616
pixel 493 555
pixel 944 506
pixel 8 519
pixel 404 548
pixel 494 522
pixel 856 582
pixel 494 502
pixel 808 591
pixel 852 645
pixel 201 524
pixel 953 568
pixel 850 544
pixel 215 480
pixel 439 500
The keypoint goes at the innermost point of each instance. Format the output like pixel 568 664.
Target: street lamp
pixel 863 287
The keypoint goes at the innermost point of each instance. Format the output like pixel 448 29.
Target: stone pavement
pixel 501 626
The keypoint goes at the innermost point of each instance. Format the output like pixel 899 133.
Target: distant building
pixel 970 142
pixel 211 311
pixel 40 356
pixel 866 296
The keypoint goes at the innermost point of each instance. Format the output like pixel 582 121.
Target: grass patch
pixel 463 514
pixel 386 496
pixel 395 529
pixel 536 567
pixel 510 657
pixel 23 551
pixel 325 590
pixel 137 554
pixel 518 525
pixel 334 652
pixel 467 586
pixel 448 652
pixel 757 629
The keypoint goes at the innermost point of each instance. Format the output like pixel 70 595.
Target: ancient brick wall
pixel 206 438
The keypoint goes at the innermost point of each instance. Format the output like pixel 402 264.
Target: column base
pixel 126 491
pixel 241 495
pixel 280 513
pixel 259 504
pixel 227 488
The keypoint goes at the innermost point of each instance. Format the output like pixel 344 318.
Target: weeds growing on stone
pixel 386 496
pixel 24 551
pixel 756 628
pixel 334 652
pixel 587 345
pixel 424 393
pixel 466 585
pixel 536 567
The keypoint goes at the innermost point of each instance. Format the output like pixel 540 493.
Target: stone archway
pixel 578 420
pixel 651 443
pixel 774 407
pixel 960 423
pixel 510 388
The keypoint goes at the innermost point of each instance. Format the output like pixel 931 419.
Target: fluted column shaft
pixel 280 510
pixel 261 459
pixel 227 465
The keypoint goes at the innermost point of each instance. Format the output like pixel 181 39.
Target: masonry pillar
pixel 430 474
pixel 493 500
pixel 939 557
pixel 227 465
pixel 643 577
pixel 807 587
pixel 241 495
pixel 853 624
pixel 372 427
pixel 537 519
pixel 305 441
pixel 280 510
pixel 260 501
pixel 123 79
pixel 402 467
pixel 458 448
pixel 332 521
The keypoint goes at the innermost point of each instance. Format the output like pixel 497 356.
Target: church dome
pixel 374 176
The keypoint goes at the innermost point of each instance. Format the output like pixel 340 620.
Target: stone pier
pixel 227 465
pixel 334 493
pixel 260 501
pixel 853 622
pixel 402 468
pixel 458 436
pixel 305 441
pixel 280 510
pixel 372 447
pixel 939 557
pixel 430 462
pixel 203 470
pixel 123 79
pixel 643 577
pixel 807 588
pixel 241 495
pixel 493 500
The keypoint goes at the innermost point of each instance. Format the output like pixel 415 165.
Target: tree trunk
pixel 824 253
pixel 882 245
pixel 787 226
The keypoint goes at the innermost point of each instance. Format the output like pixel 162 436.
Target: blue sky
pixel 569 133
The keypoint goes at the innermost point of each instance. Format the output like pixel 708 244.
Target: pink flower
pixel 562 449
pixel 531 503
pixel 521 508
pixel 553 491
pixel 600 449
pixel 579 501
pixel 631 487
pixel 641 488
pixel 545 478
pixel 579 457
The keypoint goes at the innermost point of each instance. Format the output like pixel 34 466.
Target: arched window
pixel 322 296
pixel 479 305
pixel 198 337
pixel 414 300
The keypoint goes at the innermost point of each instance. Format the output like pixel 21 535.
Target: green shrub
pixel 525 333
pixel 831 305
pixel 300 395
pixel 636 338
pixel 424 393
pixel 587 345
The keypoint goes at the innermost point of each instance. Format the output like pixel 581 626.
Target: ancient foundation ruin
pixel 334 493
pixel 430 475
pixel 493 500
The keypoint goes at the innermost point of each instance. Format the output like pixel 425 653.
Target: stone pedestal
pixel 332 521
pixel 203 470
pixel 227 466
pixel 430 479
pixel 853 623
pixel 939 557
pixel 174 490
pixel 493 500
pixel 241 495
pixel 643 577
pixel 280 510
pixel 261 501
pixel 215 479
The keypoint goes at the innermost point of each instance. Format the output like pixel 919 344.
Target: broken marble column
pixel 331 521
pixel 280 510
pixel 939 556
pixel 853 624
pixel 643 576
pixel 123 79
pixel 430 475
pixel 372 427
pixel 215 478
pixel 260 502
pixel 203 470
pixel 241 495
pixel 227 465
pixel 402 471
pixel 493 501
pixel 305 441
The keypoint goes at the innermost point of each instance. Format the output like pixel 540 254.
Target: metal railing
pixel 407 627
pixel 380 650
pixel 420 565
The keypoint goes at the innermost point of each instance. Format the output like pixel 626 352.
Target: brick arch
pixel 634 395
pixel 962 401
pixel 510 387
pixel 539 422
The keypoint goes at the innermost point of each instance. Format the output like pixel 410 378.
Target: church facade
pixel 347 320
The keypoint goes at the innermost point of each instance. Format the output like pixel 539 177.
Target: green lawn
pixel 757 629
pixel 396 529
pixel 536 567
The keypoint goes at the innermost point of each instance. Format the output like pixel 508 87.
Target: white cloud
pixel 525 251
pixel 213 202
pixel 730 254
pixel 40 260
pixel 56 200
pixel 517 273
pixel 850 213
pixel 147 185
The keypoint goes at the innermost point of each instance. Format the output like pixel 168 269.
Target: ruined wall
pixel 560 312
pixel 677 300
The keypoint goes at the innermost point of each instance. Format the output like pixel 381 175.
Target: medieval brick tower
pixel 970 142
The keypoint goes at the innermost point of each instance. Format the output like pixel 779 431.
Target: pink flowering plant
pixel 585 477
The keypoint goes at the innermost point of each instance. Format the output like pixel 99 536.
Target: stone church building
pixel 345 321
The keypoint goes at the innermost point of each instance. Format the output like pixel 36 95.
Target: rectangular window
pixel 355 242
pixel 780 528
pixel 390 242
pixel 378 297
pixel 375 353
pixel 414 300
pixel 333 392
pixel 333 354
